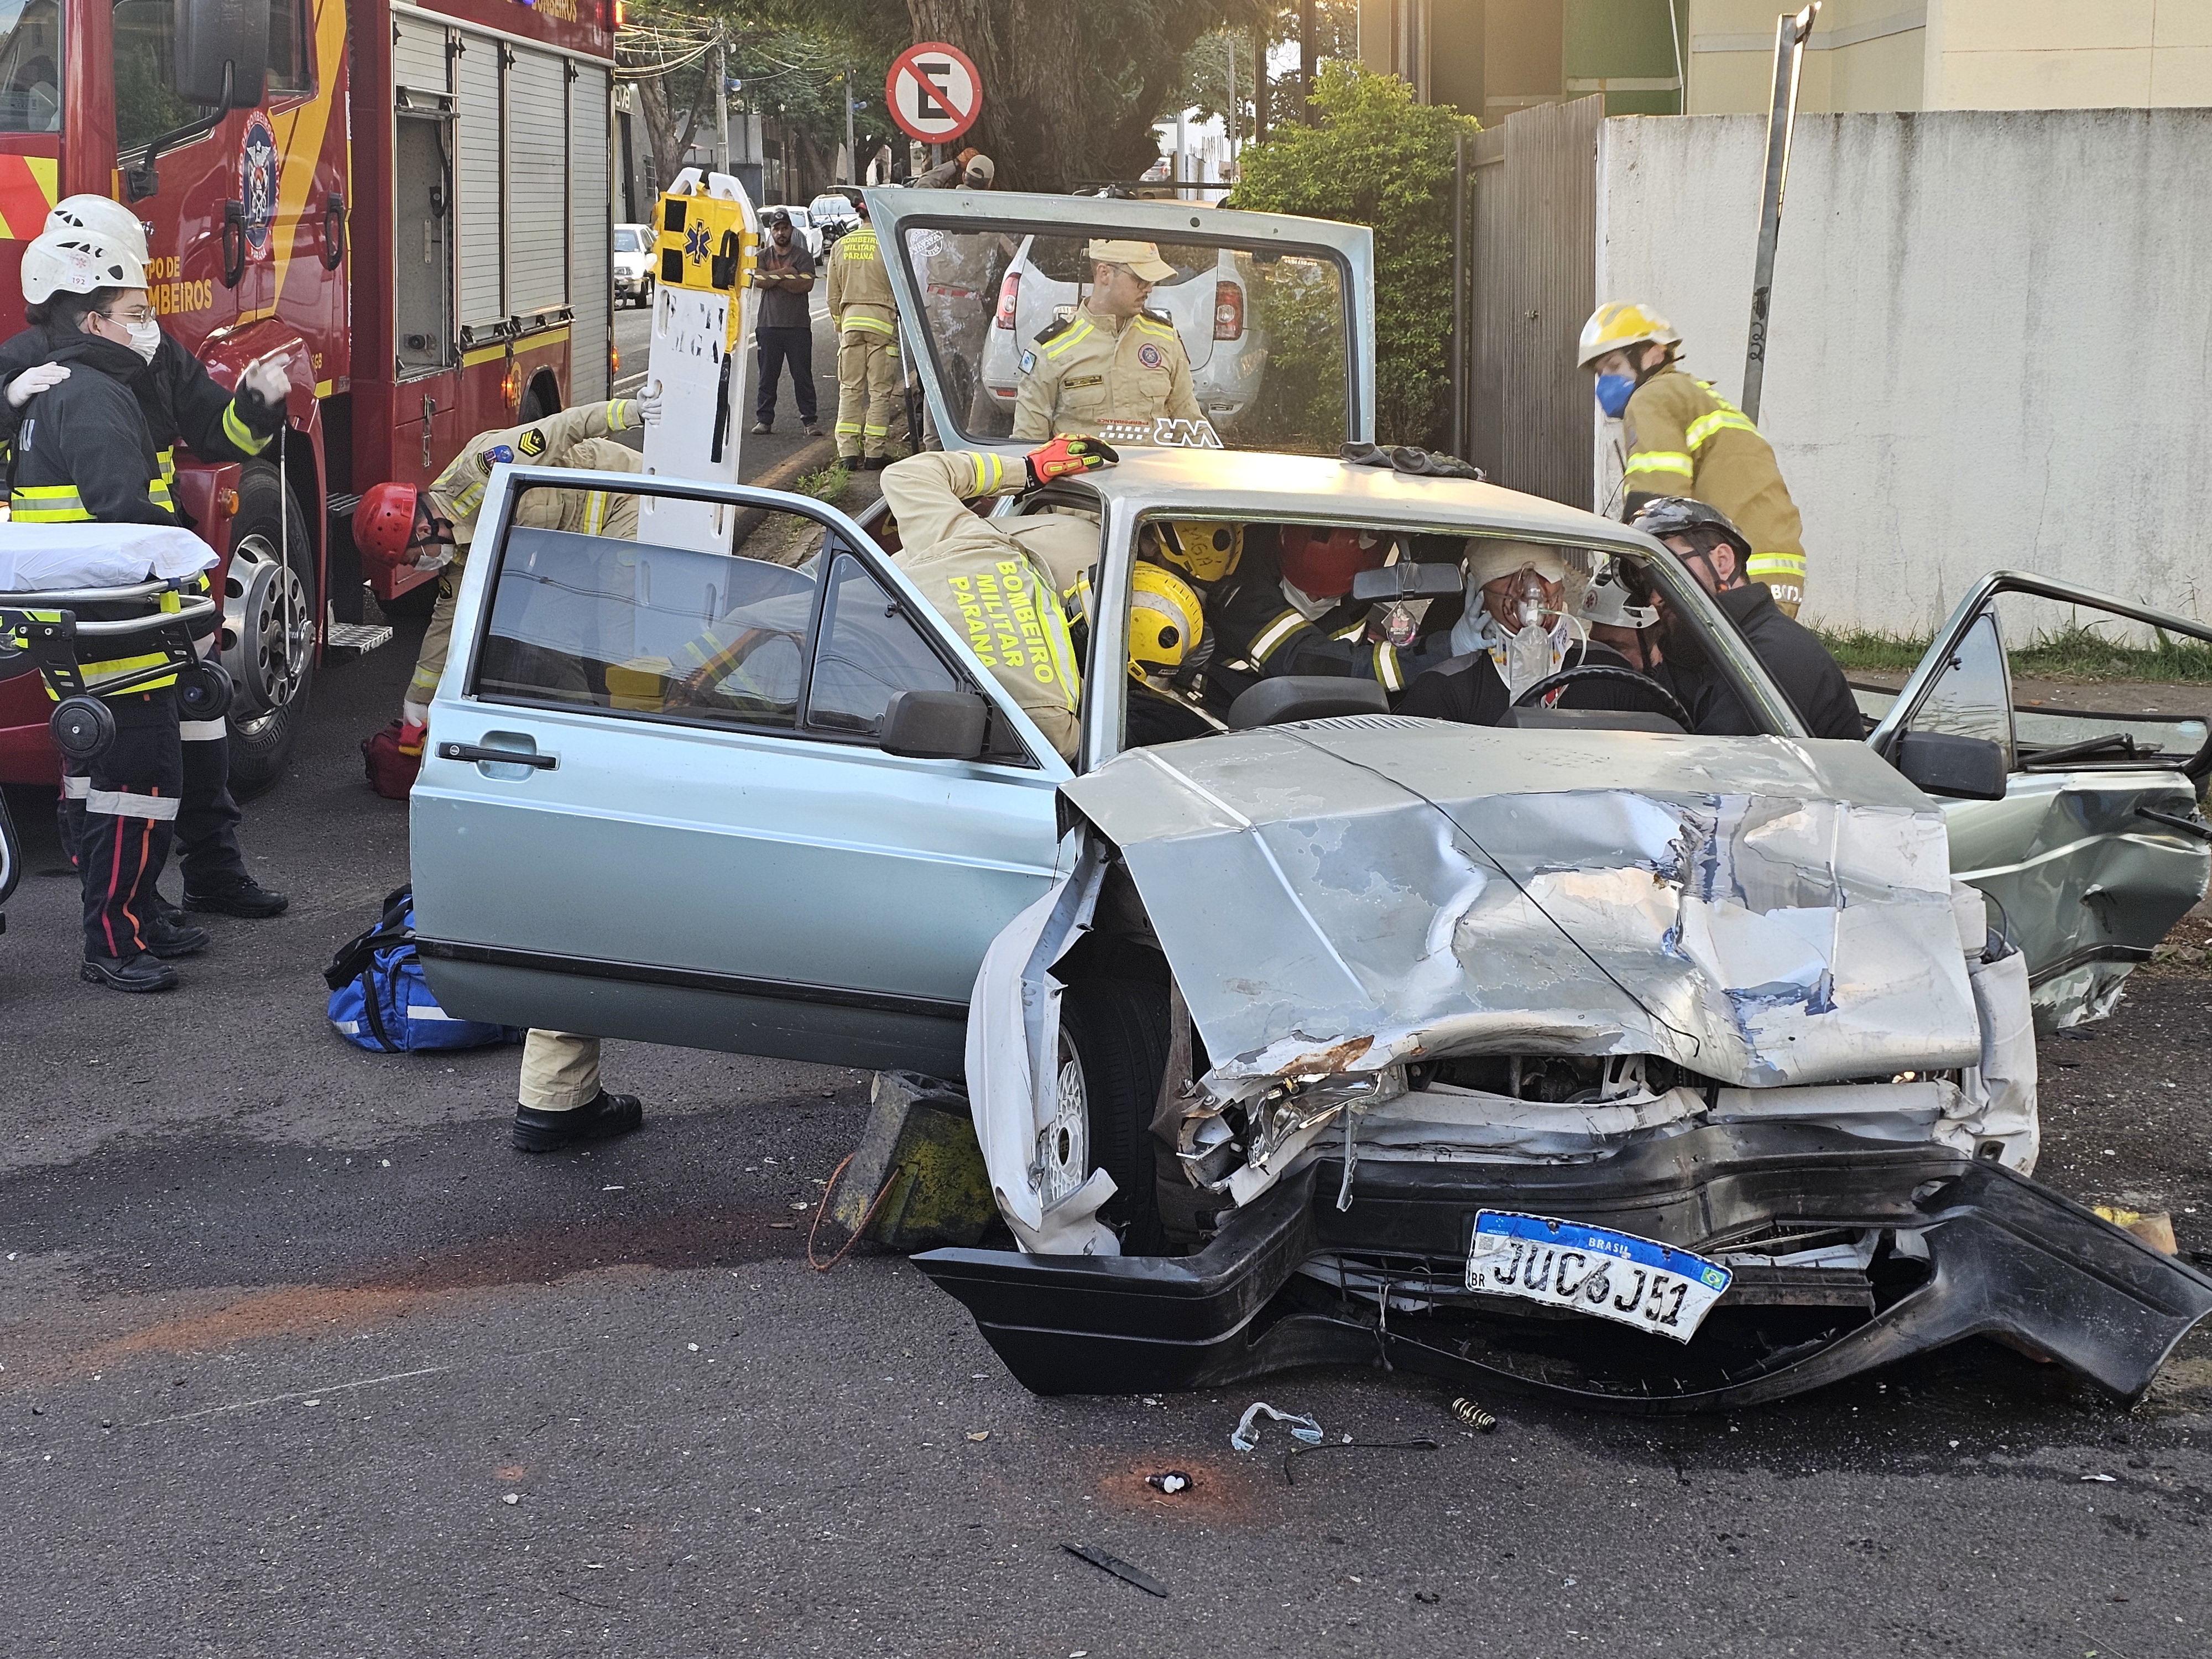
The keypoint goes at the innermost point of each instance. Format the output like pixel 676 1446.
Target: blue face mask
pixel 1614 392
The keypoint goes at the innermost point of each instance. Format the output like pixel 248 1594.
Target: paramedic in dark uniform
pixel 84 455
pixel 181 405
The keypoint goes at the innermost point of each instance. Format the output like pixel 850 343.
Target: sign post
pixel 933 92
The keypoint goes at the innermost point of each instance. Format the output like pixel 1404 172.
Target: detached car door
pixel 2095 847
pixel 1275 314
pixel 655 803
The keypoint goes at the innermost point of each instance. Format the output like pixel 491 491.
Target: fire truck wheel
pixel 270 606
pixel 83 727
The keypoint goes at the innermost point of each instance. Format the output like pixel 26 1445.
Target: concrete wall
pixel 1992 339
pixel 2052 54
pixel 1864 55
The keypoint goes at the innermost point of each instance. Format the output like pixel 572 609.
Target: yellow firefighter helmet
pixel 1205 552
pixel 1614 326
pixel 1166 619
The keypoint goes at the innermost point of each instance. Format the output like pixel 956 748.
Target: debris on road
pixel 512 1498
pixel 1349 1445
pixel 2154 1227
pixel 979 1435
pixel 1247 1436
pixel 1169 1481
pixel 1120 1569
pixel 1472 1415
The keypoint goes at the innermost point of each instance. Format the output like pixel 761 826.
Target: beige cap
pixel 984 168
pixel 1143 257
pixel 1489 558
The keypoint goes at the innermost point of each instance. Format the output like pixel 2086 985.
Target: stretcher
pixel 148 625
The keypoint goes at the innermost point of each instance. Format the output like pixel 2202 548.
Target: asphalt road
pixel 300 1360
pixel 633 335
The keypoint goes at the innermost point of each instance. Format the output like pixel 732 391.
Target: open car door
pixel 660 799
pixel 1276 314
pixel 2089 840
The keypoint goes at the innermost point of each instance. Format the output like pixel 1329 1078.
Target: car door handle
pixel 2172 821
pixel 474 751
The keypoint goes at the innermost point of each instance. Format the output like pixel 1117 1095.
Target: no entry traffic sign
pixel 934 92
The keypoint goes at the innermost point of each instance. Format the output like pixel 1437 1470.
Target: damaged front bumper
pixel 1979 1250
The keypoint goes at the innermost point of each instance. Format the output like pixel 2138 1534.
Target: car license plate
pixel 1593 1270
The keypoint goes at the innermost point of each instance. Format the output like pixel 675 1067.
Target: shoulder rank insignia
pixel 1058 328
pixel 532 442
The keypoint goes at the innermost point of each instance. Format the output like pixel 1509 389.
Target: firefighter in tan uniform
pixel 391 525
pixel 1683 438
pixel 862 312
pixel 1001 592
pixel 1113 360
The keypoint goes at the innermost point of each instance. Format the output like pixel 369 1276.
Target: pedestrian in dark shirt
pixel 1715 552
pixel 785 331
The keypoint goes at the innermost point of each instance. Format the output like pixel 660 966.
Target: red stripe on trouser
pixel 115 885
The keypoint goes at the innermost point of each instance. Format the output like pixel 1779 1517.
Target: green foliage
pixel 2075 653
pixel 1375 157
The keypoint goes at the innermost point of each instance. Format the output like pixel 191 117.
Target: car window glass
pixel 871 649
pixel 589 609
pixel 1263 335
pixel 2074 670
pixel 1972 696
pixel 625 241
pixel 30 66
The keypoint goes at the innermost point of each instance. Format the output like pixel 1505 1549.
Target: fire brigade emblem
pixel 1149 355
pixel 257 166
pixel 695 245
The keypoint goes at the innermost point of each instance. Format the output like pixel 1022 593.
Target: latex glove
pixel 1064 455
pixel 32 381
pixel 414 714
pixel 266 376
pixel 645 409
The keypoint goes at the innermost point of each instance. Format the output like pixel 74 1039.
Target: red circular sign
pixel 933 92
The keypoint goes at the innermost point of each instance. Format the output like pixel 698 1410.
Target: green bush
pixel 1375 157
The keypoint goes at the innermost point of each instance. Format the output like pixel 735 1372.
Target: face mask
pixel 1614 392
pixel 145 338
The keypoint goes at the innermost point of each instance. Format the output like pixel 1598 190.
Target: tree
pixel 1376 157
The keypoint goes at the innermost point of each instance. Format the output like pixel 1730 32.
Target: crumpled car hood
pixel 1345 896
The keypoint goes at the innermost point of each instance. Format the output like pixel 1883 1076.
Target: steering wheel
pixel 1666 703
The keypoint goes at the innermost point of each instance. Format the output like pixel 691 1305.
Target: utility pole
pixel 1306 20
pixel 722 104
pixel 1790 34
pixel 1259 83
pixel 852 155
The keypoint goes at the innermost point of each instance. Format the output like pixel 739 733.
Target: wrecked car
pixel 1651 1069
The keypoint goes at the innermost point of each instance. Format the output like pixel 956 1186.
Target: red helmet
pixel 384 522
pixel 1322 563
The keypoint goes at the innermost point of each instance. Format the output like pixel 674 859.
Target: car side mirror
pixel 935 725
pixel 222 55
pixel 1944 763
pixel 1407 581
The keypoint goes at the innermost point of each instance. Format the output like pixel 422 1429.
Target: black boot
pixel 138 973
pixel 552 1132
pixel 245 897
pixel 169 940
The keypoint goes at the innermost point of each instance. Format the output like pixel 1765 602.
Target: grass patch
pixel 826 485
pixel 2077 654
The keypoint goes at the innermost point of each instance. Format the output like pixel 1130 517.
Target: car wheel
pixel 270 608
pixel 1113 1048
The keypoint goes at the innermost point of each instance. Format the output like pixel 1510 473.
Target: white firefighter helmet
pixel 77 217
pixel 78 263
pixel 1607 603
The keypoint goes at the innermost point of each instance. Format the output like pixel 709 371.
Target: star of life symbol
pixel 695 245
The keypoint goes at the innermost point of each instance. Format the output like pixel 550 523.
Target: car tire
pixel 253 622
pixel 1114 1033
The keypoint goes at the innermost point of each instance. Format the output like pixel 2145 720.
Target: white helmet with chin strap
pixel 1606 603
pixel 98 219
pixel 78 263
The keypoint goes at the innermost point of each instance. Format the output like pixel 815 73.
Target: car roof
pixel 1213 483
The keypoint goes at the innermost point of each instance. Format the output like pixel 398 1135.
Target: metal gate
pixel 1525 266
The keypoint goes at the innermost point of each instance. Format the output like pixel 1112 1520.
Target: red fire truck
pixel 415 200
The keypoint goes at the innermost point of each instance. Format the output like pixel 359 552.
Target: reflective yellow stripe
pixel 1265 642
pixel 240 433
pixel 1663 460
pixel 1076 335
pixel 1722 419
pixel 167 458
pixel 1775 564
pixel 874 431
pixel 46 504
pixel 872 325
pixel 157 491
pixel 595 511
pixel 1352 632
pixel 849 426
pixel 617 414
pixel 1165 330
pixel 1387 669
pixel 990 473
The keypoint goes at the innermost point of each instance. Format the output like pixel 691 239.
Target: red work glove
pixel 1064 455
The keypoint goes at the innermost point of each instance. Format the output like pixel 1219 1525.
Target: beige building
pixel 1491 57
pixel 1876 55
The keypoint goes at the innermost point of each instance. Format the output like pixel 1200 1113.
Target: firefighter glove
pixel 1064 455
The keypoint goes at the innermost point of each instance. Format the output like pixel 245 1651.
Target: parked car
pixel 1647 1067
pixel 803 227
pixel 634 265
pixel 833 215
